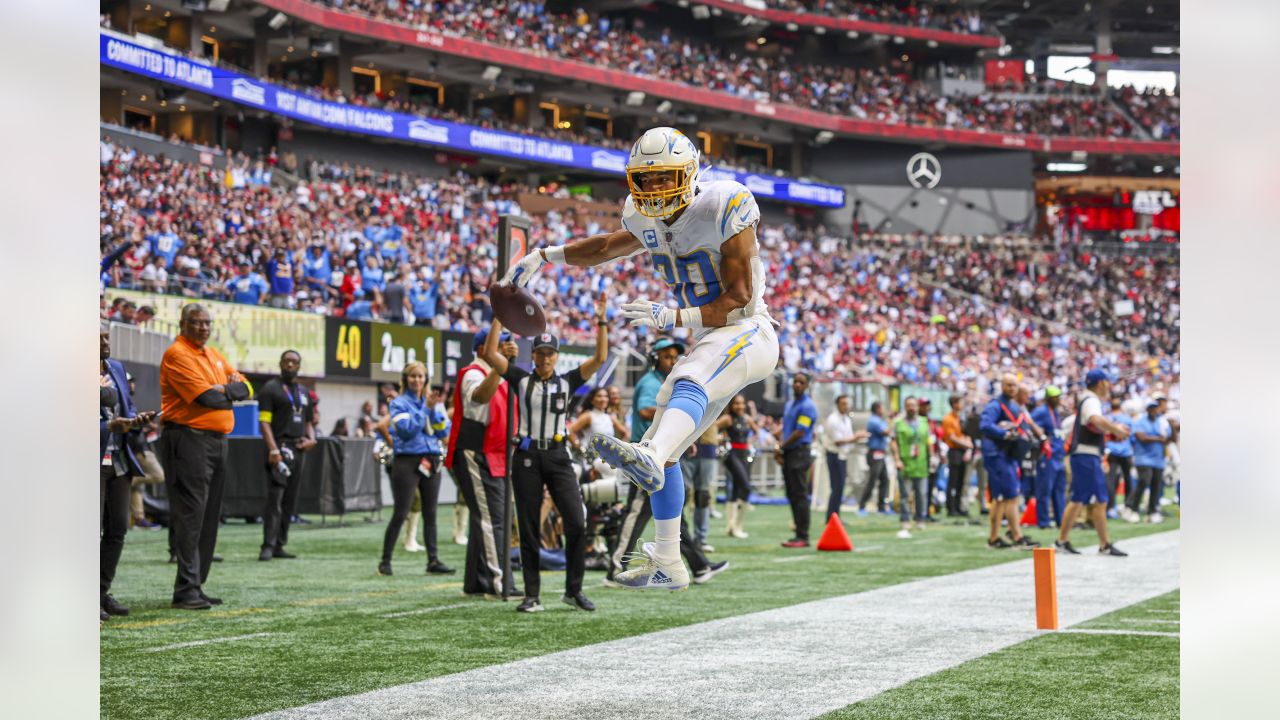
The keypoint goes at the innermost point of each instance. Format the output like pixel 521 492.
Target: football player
pixel 701 238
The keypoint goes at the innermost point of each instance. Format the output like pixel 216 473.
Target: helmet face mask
pixel 662 150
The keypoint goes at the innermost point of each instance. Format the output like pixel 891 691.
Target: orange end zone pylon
pixel 1046 589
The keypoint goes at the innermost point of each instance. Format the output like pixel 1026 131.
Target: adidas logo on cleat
pixel 660 578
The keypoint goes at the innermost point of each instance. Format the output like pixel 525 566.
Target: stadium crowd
pixel 949 16
pixel 1155 110
pixel 886 94
pixel 352 241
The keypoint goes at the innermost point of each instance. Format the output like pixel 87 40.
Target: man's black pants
pixel 113 513
pixel 877 475
pixel 282 499
pixel 486 498
pixel 195 469
pixel 553 469
pixel 837 468
pixel 796 462
pixel 407 477
pixel 955 481
pixel 1149 478
pixel 639 511
pixel 1119 468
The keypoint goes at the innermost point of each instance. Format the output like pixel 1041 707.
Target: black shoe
pixel 113 607
pixel 103 616
pixel 384 568
pixel 710 571
pixel 173 558
pixel 530 605
pixel 191 603
pixel 283 554
pixel 211 600
pixel 266 554
pixel 1025 543
pixel 435 567
pixel 998 544
pixel 217 558
pixel 579 601
pixel 1111 550
pixel 1066 546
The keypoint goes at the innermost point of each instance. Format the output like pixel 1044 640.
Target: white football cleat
pixel 652 574
pixel 635 461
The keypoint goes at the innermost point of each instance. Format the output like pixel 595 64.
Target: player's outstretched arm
pixel 588 252
pixel 735 284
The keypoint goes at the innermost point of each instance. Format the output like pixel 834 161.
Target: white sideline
pixel 793 662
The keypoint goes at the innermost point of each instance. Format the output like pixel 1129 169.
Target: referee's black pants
pixel 553 469
pixel 639 511
pixel 407 477
pixel 486 498
pixel 796 462
pixel 1119 469
pixel 282 499
pixel 195 470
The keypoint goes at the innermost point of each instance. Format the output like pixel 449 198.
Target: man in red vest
pixel 477 460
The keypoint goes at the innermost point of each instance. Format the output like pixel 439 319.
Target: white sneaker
pixel 704 547
pixel 1156 518
pixel 652 574
pixel 459 539
pixel 636 461
pixel 904 534
pixel 740 534
pixel 1129 516
pixel 413 546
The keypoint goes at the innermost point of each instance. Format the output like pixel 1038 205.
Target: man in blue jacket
pixel 1119 457
pixel 116 418
pixel 1001 431
pixel 1051 485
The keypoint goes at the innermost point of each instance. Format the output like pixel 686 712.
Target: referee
pixel 542 459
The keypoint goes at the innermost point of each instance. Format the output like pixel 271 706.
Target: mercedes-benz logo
pixel 924 171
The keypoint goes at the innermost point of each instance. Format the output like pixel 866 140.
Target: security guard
pixel 794 456
pixel 284 416
pixel 542 459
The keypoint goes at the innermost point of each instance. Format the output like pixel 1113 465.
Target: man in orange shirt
pixel 197 388
pixel 958 448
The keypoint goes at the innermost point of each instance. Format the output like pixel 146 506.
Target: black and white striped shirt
pixel 544 404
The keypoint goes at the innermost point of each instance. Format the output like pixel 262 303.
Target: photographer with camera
pixel 284 415
pixel 117 419
pixel 542 457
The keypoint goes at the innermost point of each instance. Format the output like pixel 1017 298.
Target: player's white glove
pixel 521 274
pixel 643 313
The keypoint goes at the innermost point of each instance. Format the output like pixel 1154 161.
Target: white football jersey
pixel 686 253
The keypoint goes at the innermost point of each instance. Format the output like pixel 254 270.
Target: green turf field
pixel 325 625
pixel 1057 675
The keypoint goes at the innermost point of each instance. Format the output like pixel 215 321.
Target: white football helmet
pixel 666 150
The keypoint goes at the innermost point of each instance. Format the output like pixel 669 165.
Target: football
pixel 516 309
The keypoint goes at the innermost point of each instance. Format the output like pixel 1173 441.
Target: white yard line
pixel 1102 631
pixel 797 558
pixel 868 548
pixel 1148 621
pixel 763 665
pixel 423 611
pixel 210 641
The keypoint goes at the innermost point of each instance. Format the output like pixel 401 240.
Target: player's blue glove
pixel 643 313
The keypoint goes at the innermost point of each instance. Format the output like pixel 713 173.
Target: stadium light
pixel 852 34
pixel 819 30
pixel 824 137
pixel 1164 50
pixel 664 107
pixel 491 73
pixel 277 21
pixel 792 27
pixel 635 99
pixel 218 5
pixel 1067 167
pixel 700 12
